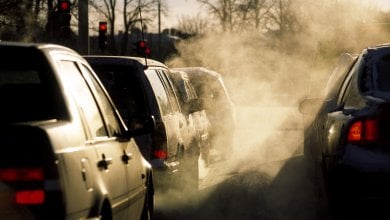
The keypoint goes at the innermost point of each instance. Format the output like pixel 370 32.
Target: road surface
pixel 267 177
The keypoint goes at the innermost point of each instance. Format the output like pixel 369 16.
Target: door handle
pixel 104 163
pixel 126 157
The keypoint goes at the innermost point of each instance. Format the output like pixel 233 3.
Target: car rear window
pixel 25 91
pixel 383 70
pixel 125 88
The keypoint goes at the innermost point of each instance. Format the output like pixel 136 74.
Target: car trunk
pixel 28 174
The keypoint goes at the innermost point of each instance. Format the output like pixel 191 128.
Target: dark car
pixel 219 107
pixel 348 137
pixel 66 153
pixel 141 88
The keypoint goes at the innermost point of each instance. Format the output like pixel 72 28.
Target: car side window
pixel 346 83
pixel 351 99
pixel 169 88
pixel 112 123
pixel 190 90
pixel 337 76
pixel 159 92
pixel 83 96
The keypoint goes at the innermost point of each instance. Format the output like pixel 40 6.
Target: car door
pixel 130 155
pixel 78 158
pixel 331 106
pixel 111 168
pixel 179 118
pixel 167 113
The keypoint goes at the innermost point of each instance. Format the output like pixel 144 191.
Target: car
pixel 66 152
pixel 199 124
pixel 219 107
pixel 346 138
pixel 143 84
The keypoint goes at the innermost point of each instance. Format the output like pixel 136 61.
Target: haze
pixel 268 77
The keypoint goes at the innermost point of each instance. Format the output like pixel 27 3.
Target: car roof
pixel 198 71
pixel 40 46
pixel 126 60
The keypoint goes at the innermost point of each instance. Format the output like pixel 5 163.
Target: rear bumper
pixel 365 160
pixel 362 174
pixel 160 165
pixel 164 174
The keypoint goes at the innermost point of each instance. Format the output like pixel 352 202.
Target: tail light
pixel 363 131
pixel 21 174
pixel 30 197
pixel 160 154
pixel 29 190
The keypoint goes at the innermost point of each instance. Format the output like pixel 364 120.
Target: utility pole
pixel 83 39
pixel 159 29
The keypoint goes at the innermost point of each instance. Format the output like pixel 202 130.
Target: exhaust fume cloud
pixel 267 76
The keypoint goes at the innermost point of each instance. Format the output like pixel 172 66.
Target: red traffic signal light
pixel 64 17
pixel 102 26
pixel 142 48
pixel 141 44
pixel 64 6
pixel 102 35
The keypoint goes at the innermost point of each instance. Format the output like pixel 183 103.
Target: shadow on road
pixel 251 194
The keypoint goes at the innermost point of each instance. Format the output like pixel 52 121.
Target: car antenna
pixel 142 32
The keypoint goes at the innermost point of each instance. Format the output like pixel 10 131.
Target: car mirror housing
pixel 140 125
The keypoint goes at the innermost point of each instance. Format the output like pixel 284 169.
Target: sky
pixel 177 9
pixel 180 8
pixel 384 4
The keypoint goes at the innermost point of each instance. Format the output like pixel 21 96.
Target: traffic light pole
pixel 83 39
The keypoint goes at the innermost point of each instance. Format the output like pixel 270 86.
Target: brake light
pixel 30 197
pixel 29 194
pixel 21 174
pixel 160 154
pixel 363 131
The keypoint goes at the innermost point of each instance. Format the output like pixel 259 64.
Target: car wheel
pixel 105 212
pixel 147 211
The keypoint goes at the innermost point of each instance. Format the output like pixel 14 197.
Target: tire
pixel 148 208
pixel 105 213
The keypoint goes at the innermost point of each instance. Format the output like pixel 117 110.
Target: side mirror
pixel 140 125
pixel 310 106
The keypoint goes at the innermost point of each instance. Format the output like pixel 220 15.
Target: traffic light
pixel 143 49
pixel 64 16
pixel 102 35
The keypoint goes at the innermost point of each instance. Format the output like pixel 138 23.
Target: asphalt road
pixel 267 178
pixel 273 190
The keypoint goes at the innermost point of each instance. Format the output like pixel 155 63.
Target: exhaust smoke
pixel 267 77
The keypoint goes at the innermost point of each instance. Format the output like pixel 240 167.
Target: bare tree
pixel 131 16
pixel 196 25
pixel 108 8
pixel 281 18
pixel 259 10
pixel 225 10
pixel 19 19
